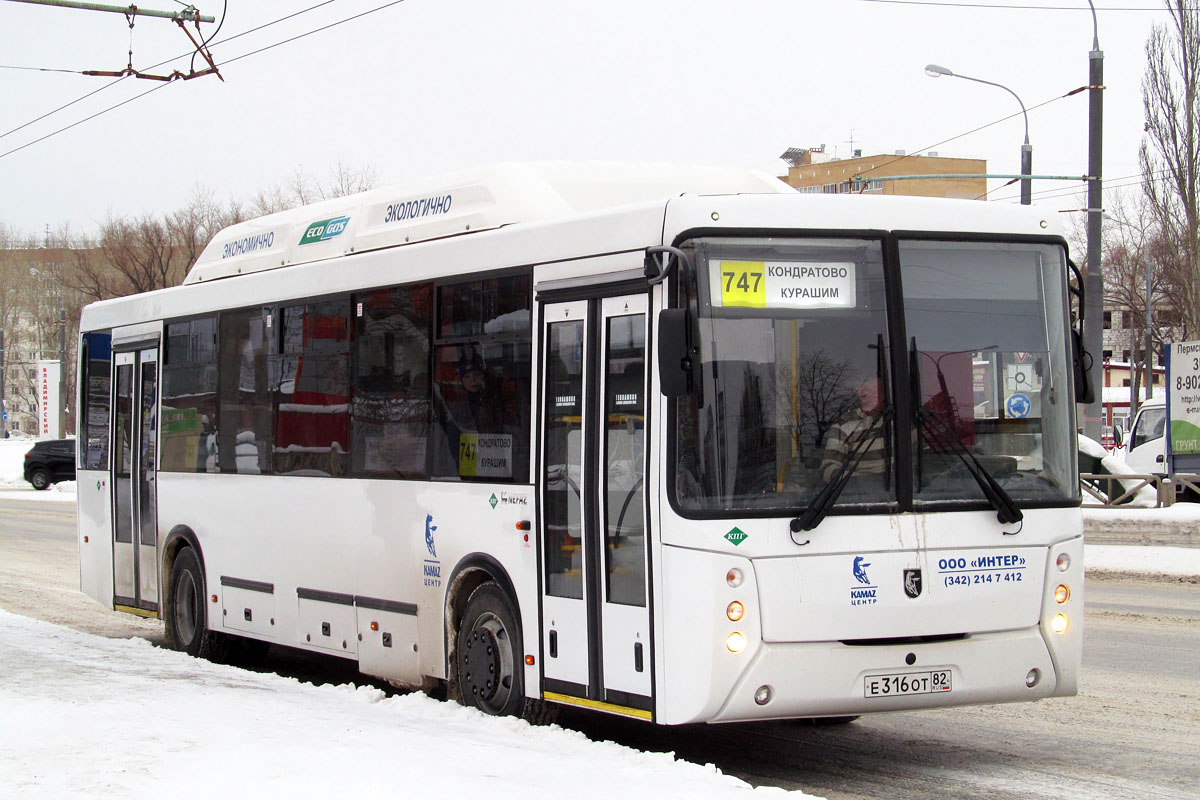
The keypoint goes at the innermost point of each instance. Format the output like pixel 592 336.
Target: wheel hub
pixel 481 664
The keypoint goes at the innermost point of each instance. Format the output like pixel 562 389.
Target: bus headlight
pixel 735 642
pixel 1060 623
pixel 1062 594
pixel 735 611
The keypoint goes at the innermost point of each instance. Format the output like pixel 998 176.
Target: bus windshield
pixel 797 375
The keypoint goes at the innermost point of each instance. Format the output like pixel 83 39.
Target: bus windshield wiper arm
pixel 941 434
pixel 829 493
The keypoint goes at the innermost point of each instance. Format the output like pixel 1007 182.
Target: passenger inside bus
pixel 860 426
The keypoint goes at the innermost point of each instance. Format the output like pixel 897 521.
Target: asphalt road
pixel 1133 731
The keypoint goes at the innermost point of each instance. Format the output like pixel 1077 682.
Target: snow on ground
pixel 1181 562
pixel 82 716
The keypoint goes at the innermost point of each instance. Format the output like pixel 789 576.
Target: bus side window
pixel 482 366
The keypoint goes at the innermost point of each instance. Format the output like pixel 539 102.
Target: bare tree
pixel 1170 152
pixel 820 394
pixel 302 188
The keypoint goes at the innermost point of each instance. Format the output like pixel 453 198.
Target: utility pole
pixel 1093 282
pixel 3 405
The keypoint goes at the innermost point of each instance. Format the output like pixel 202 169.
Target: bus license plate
pixel 902 683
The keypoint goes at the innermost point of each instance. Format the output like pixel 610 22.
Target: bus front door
pixel 596 647
pixel 135 442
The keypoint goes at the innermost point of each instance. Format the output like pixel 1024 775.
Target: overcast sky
pixel 428 86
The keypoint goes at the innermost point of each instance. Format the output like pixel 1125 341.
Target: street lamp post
pixel 935 71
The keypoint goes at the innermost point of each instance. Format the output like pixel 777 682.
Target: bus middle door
pixel 596 647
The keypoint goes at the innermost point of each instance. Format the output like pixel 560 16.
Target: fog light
pixel 735 611
pixel 734 577
pixel 1062 594
pixel 1063 562
pixel 736 642
pixel 763 695
pixel 1059 623
pixel 1031 679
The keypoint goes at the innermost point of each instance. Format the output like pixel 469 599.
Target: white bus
pixel 677 444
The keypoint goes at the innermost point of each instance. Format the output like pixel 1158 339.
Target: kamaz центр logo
pixel 324 229
pixel 862 593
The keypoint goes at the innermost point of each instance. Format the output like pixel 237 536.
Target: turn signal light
pixel 1062 594
pixel 529 661
pixel 1060 623
pixel 735 611
pixel 736 642
pixel 734 577
pixel 213 598
pixel 1063 562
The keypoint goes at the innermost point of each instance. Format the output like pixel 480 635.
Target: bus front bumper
pixel 835 679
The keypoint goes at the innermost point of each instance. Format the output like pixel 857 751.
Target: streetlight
pixel 935 71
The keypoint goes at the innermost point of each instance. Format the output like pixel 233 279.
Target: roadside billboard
pixel 1183 404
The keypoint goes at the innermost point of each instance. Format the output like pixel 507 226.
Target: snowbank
pixel 1180 562
pixel 88 717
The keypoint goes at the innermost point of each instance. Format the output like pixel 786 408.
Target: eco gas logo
pixel 324 229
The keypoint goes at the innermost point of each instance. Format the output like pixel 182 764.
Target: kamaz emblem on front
pixel 324 229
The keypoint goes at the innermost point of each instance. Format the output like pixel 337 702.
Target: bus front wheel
pixel 488 652
pixel 186 615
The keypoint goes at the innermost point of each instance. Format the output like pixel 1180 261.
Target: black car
pixel 49 462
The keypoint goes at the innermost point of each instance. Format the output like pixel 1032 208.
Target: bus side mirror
pixel 1118 436
pixel 675 364
pixel 1081 363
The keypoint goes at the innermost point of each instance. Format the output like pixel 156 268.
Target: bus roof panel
pixel 464 202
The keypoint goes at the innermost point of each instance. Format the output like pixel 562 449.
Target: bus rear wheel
pixel 490 668
pixel 186 615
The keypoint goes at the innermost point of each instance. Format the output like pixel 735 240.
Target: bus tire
pixel 186 617
pixel 491 671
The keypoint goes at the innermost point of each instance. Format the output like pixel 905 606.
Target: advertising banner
pixel 48 401
pixel 1183 397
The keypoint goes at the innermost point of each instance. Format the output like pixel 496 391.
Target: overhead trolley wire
pixel 1014 6
pixel 917 153
pixel 182 55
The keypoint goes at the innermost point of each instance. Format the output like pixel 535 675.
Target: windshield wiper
pixel 829 493
pixel 944 437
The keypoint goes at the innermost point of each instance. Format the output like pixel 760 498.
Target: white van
pixel 1144 449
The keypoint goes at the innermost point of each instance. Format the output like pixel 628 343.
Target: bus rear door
pixel 134 462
